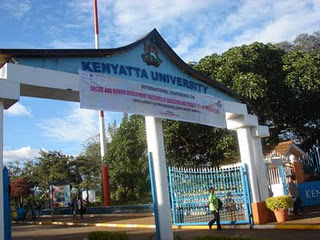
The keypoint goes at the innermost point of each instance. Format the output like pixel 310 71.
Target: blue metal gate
pixel 189 189
pixel 6 205
pixel 311 161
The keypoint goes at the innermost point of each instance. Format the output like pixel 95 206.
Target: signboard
pixel 309 193
pixel 61 195
pixel 101 92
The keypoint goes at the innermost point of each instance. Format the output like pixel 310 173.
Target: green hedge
pixel 104 235
pixel 278 203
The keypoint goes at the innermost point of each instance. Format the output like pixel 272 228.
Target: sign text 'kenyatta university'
pixel 102 92
pixel 123 70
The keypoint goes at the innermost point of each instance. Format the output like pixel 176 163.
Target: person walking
pixel 214 208
pixel 294 193
pixel 38 209
pixel 20 213
pixel 80 206
pixel 74 208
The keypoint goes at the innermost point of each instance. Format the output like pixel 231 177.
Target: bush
pixel 104 235
pixel 279 203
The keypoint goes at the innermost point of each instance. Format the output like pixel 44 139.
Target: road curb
pixel 117 225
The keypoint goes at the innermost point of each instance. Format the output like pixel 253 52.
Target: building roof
pixel 8 55
pixel 285 148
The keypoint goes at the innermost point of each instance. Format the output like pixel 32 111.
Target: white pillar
pixel 260 168
pixel 247 157
pixel 1 174
pixel 156 147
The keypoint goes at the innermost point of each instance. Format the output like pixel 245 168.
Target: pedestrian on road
pixel 38 209
pixel 80 206
pixel 21 213
pixel 294 193
pixel 214 208
pixel 74 208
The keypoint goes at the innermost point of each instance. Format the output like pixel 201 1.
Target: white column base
pixel 156 147
pixel 260 169
pixel 247 157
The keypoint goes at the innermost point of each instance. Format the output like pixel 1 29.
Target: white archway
pixel 39 82
pixel 53 74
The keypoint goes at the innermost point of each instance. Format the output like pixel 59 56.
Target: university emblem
pixel 150 56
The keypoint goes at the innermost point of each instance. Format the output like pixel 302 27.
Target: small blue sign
pixel 309 193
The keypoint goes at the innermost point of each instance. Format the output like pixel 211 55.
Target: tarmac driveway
pixel 56 232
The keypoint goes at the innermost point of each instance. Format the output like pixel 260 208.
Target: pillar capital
pixel 260 131
pixel 9 93
pixel 242 121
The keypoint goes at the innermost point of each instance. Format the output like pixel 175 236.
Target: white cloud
pixel 185 43
pixel 70 43
pixel 18 110
pixel 197 30
pixel 20 155
pixel 132 19
pixel 264 21
pixel 76 125
pixel 17 8
pixel 279 21
pixel 288 26
pixel 193 29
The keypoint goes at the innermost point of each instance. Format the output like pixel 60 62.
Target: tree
pixel 303 42
pixel 15 169
pixel 196 145
pixel 302 70
pixel 19 189
pixel 82 172
pixel 255 72
pixel 280 86
pixel 303 79
pixel 90 171
pixel 127 161
pixel 286 46
pixel 50 167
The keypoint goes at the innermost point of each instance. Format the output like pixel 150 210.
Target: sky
pixel 194 29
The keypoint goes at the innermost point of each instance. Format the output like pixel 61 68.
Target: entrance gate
pixel 189 190
pixel 148 78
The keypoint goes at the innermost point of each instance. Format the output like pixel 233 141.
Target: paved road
pixel 56 232
pixel 26 231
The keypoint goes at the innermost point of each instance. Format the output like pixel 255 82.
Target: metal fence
pixel 277 180
pixel 189 190
pixel 121 209
pixel 311 161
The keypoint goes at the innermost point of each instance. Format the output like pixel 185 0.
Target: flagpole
pixel 96 26
pixel 105 175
